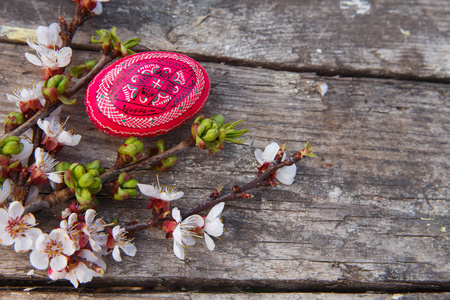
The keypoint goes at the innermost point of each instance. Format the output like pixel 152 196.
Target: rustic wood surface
pixel 346 37
pixel 370 214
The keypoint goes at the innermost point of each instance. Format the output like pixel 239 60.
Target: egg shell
pixel 147 94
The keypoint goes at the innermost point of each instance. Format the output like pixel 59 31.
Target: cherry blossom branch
pixel 236 193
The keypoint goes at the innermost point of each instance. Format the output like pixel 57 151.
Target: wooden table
pixel 371 214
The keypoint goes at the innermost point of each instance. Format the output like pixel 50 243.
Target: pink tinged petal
pixel 34 59
pixel 73 218
pixel 6 239
pixel 15 210
pixel 176 215
pixel 55 275
pixel 178 250
pixel 286 174
pixel 169 197
pixel 22 244
pixel 116 253
pixel 215 212
pixel 270 152
pixel 259 156
pixel 214 228
pixel 58 263
pixel 148 190
pixel 209 242
pixel 39 260
pixel 33 45
pixel 101 238
pixel 129 249
pixel 94 245
pixel 5 190
pixel 69 246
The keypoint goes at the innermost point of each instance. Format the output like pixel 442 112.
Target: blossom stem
pixel 237 191
pixel 140 226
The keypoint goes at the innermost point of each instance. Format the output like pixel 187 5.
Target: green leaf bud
pixel 12 147
pixel 207 123
pixel 131 192
pixel 161 145
pixel 90 64
pixel 85 180
pixel 70 179
pixel 201 128
pixel 129 184
pixel 211 135
pixel 78 171
pixel 200 143
pixel 62 167
pixel 219 119
pixel 16 118
pixel 131 42
pixel 121 195
pixel 130 140
pixel 123 177
pixel 93 165
pixel 94 172
pixel 96 186
pixel 84 197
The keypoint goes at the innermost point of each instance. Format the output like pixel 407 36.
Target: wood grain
pixel 371 213
pixel 400 39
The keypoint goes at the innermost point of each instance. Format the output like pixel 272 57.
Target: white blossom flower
pixel 284 175
pixel 182 234
pixel 213 225
pixel 160 192
pixel 53 129
pixel 51 58
pixel 93 229
pixel 47 37
pixel 26 152
pixel 17 229
pixel 5 190
pixel 53 248
pixel 120 241
pixel 25 93
pixel 78 272
pixel 45 163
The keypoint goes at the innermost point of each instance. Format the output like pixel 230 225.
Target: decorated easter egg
pixel 147 94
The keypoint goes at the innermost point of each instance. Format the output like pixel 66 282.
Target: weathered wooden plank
pixel 236 296
pixel 358 38
pixel 375 219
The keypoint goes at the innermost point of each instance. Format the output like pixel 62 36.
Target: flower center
pixel 53 248
pixel 16 227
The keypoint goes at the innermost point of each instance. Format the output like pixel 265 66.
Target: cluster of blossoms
pixel 73 251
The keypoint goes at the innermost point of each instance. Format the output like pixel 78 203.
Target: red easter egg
pixel 147 94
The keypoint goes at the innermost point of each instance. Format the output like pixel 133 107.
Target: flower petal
pixel 89 216
pixel 214 228
pixel 69 139
pixel 15 210
pixel 116 254
pixel 176 215
pixel 148 190
pixel 129 249
pixel 22 244
pixel 178 250
pixel 55 177
pixel 209 242
pixel 58 263
pixel 259 156
pixel 195 221
pixel 215 212
pixel 5 190
pixel 39 260
pixel 286 174
pixel 6 239
pixel 34 59
pixel 270 152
